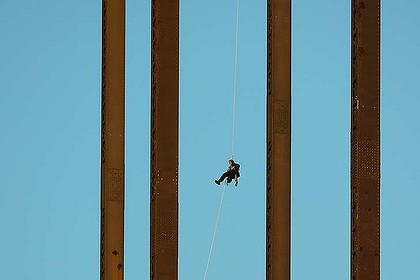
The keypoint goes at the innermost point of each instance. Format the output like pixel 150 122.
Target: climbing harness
pixel 233 134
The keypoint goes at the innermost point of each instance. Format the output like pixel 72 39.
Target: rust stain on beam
pixel 365 140
pixel 278 139
pixel 164 141
pixel 112 140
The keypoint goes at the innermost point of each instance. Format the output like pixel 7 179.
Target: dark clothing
pixel 234 167
pixel 230 173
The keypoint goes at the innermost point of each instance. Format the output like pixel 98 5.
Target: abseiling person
pixel 232 173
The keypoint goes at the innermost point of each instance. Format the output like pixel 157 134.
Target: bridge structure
pixel 365 140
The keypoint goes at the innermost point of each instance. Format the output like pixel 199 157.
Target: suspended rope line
pixel 215 230
pixel 235 77
pixel 233 133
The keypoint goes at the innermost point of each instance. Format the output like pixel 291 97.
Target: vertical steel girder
pixel 278 139
pixel 164 141
pixel 365 140
pixel 112 140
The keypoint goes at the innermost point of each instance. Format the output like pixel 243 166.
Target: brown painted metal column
pixel 278 139
pixel 164 141
pixel 112 150
pixel 365 141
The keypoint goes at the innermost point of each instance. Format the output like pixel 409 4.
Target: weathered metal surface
pixel 112 140
pixel 278 139
pixel 365 140
pixel 164 141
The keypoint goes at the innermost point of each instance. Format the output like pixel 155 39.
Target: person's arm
pixel 237 171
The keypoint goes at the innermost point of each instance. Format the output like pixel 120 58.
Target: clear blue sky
pixel 50 83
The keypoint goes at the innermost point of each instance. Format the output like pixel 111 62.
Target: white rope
pixel 215 230
pixel 233 133
pixel 235 76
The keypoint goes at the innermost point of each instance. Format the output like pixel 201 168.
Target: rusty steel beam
pixel 365 140
pixel 278 139
pixel 112 142
pixel 164 141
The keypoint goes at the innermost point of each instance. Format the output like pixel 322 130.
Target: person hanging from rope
pixel 232 173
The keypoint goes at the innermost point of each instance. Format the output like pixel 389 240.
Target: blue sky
pixel 50 73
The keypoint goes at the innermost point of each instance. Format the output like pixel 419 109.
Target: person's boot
pixel 217 182
pixel 236 182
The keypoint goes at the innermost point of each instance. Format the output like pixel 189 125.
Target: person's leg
pixel 231 176
pixel 224 175
pixel 236 178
